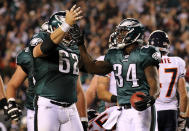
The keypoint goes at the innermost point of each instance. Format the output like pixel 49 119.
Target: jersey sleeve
pixel 150 56
pixel 38 38
pixel 23 60
pixel 182 67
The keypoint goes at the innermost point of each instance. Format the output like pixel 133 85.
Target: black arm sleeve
pixel 47 45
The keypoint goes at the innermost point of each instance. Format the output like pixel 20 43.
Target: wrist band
pixel 182 113
pixel 65 27
pixel 114 98
pixel 84 119
pixel 11 99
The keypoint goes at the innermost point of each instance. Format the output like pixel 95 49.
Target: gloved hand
pixel 13 110
pixel 4 106
pixel 145 103
pixel 85 125
pixel 84 122
pixel 77 35
pixel 181 123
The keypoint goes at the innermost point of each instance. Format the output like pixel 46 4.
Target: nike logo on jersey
pixel 126 58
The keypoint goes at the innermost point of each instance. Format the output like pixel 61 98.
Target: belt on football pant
pixel 61 104
pixel 126 106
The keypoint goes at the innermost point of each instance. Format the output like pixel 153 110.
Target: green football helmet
pixel 55 21
pixel 129 31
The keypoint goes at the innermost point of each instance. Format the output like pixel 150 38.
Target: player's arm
pixel 2 92
pixel 56 37
pixel 82 105
pixel 3 100
pixel 16 80
pixel 182 95
pixel 103 90
pixel 152 77
pixel 93 66
pixel 91 91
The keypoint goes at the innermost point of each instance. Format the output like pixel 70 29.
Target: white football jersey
pixel 96 123
pixel 112 88
pixel 170 70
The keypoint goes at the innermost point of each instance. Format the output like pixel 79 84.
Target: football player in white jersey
pixel 171 76
pixel 106 91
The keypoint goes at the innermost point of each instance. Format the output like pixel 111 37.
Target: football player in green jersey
pixel 56 71
pixel 135 69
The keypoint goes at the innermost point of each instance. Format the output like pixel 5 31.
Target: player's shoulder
pixel 113 52
pixel 150 51
pixel 38 38
pixel 178 60
pixel 24 55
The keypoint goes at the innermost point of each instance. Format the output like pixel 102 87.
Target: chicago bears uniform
pixel 25 60
pixel 172 84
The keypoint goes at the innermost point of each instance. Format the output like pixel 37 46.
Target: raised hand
pixel 73 15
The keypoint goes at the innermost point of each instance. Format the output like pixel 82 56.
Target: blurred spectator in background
pixel 20 19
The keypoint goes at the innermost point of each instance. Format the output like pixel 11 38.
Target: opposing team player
pixel 171 75
pixel 135 69
pixel 56 72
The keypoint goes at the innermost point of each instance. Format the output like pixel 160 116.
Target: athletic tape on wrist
pixel 65 27
pixel 11 99
pixel 83 118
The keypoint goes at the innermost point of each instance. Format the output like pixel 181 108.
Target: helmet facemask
pixel 129 31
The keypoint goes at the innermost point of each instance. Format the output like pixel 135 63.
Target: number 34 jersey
pixel 129 70
pixel 56 74
pixel 170 70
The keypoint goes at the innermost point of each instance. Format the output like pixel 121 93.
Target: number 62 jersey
pixel 170 70
pixel 56 74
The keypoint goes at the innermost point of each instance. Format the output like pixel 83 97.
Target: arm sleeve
pixel 23 59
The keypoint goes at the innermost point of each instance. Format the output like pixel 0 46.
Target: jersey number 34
pixel 130 76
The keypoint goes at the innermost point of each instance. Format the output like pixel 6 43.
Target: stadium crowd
pixel 20 19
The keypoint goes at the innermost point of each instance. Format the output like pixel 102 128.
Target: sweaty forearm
pixel 11 91
pixel 183 103
pixel 2 93
pixel 153 80
pixel 91 66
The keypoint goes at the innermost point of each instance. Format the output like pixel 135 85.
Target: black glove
pixel 77 35
pixel 14 111
pixel 145 103
pixel 4 106
pixel 85 125
pixel 181 123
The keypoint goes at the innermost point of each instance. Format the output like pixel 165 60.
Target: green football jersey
pixel 56 74
pixel 25 60
pixel 129 70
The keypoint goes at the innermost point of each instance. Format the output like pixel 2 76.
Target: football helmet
pixel 159 38
pixel 56 20
pixel 127 32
